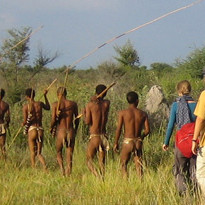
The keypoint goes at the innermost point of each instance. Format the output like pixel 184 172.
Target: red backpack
pixel 184 138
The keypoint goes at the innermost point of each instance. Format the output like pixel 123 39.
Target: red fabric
pixel 184 138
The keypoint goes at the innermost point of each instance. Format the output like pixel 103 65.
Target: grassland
pixel 22 185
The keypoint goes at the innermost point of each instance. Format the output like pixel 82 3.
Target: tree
pixel 14 54
pixel 194 63
pixel 42 59
pixel 109 71
pixel 161 68
pixel 127 55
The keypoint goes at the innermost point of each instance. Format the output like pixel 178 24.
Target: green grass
pixel 21 184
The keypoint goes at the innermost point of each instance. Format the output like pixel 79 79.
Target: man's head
pixel 132 97
pixel 61 91
pixel 30 93
pixel 2 93
pixel 99 89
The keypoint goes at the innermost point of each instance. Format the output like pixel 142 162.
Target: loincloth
pixel 67 139
pixel 133 140
pixel 128 140
pixel 104 141
pixel 2 129
pixel 32 127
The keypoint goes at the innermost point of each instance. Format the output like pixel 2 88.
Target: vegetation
pixel 22 185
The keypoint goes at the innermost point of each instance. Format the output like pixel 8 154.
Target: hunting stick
pixel 47 89
pixel 132 30
pixel 14 138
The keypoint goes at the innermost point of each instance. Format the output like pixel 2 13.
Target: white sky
pixel 75 27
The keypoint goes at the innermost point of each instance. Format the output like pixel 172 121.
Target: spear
pixel 14 138
pixel 47 89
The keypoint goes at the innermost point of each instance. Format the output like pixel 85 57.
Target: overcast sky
pixel 75 27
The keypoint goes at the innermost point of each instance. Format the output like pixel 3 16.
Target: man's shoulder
pixel 106 100
pixel 71 102
pixel 38 103
pixel 91 103
pixel 124 111
pixel 5 104
pixel 142 112
pixel 25 105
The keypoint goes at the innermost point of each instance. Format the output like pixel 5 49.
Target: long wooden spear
pixel 132 30
pixel 47 89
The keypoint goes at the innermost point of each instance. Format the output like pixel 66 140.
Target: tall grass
pixel 22 185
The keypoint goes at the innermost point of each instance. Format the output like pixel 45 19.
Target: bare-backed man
pixel 96 116
pixel 65 110
pixel 32 113
pixel 134 122
pixel 4 122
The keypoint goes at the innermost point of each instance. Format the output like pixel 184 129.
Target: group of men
pixel 64 124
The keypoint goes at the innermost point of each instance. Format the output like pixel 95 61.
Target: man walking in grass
pixel 134 121
pixel 4 122
pixel 65 110
pixel 96 116
pixel 32 113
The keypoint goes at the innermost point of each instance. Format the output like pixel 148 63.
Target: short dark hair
pixel 2 93
pixel 30 92
pixel 62 91
pixel 100 88
pixel 132 97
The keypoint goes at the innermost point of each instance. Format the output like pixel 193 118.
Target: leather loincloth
pixel 105 144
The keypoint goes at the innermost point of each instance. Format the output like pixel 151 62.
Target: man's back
pixel 134 120
pixel 35 109
pixel 96 116
pixel 68 109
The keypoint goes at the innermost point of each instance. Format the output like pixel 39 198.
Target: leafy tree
pixel 42 59
pixel 109 71
pixel 14 54
pixel 161 68
pixel 194 63
pixel 127 55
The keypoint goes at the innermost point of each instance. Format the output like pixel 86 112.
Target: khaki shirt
pixel 200 112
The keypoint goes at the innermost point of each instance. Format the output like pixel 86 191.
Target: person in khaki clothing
pixel 199 149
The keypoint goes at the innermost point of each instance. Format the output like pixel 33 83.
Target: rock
pixel 156 105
